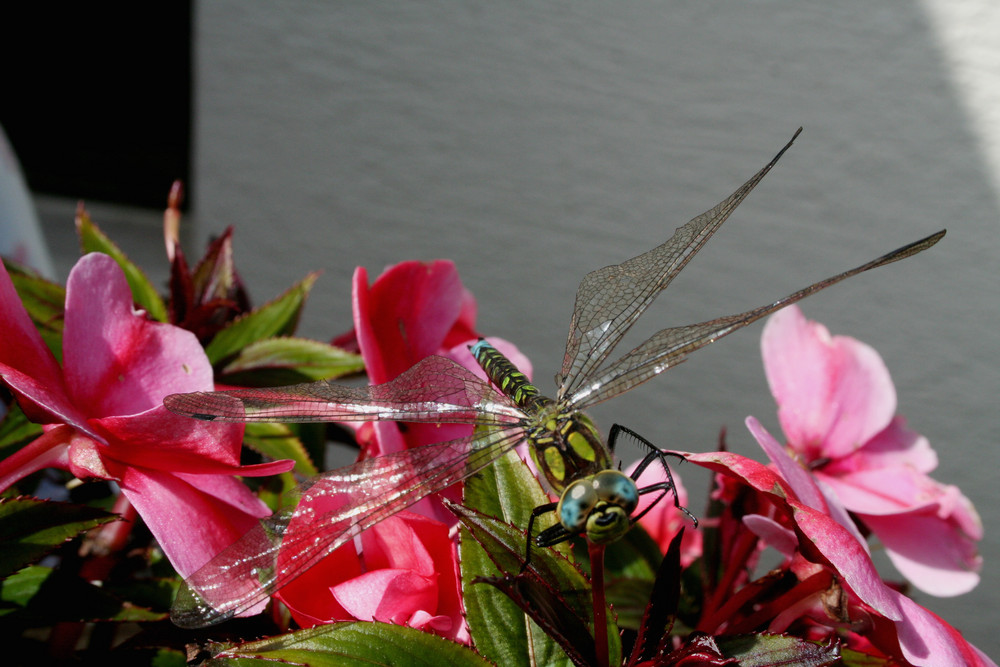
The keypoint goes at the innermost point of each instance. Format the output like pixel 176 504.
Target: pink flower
pixel 836 405
pixel 827 560
pixel 104 415
pixel 407 569
pixel 405 573
pixel 412 311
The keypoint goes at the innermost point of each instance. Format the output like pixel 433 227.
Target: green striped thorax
pixel 564 444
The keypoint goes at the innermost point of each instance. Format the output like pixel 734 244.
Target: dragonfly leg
pixel 548 537
pixel 654 454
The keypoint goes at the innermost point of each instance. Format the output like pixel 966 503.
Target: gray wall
pixel 532 144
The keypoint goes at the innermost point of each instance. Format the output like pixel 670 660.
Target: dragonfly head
pixel 599 506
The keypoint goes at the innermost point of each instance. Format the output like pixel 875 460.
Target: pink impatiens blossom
pixel 406 571
pixel 836 591
pixel 836 405
pixel 412 311
pixel 104 418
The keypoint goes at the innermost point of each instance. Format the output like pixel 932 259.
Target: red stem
pixel 745 544
pixel 596 552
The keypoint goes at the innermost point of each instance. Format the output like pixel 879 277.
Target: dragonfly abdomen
pixel 505 375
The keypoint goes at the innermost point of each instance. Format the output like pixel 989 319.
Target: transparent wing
pixel 434 390
pixel 243 575
pixel 670 347
pixel 610 300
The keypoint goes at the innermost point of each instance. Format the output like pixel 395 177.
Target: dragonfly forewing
pixel 670 347
pixel 611 299
pixel 283 546
pixel 434 390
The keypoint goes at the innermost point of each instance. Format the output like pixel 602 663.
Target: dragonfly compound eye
pixel 614 487
pixel 576 505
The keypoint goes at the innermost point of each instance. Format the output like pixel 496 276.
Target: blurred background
pixel 531 144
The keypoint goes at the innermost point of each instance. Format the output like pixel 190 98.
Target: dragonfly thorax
pixel 565 445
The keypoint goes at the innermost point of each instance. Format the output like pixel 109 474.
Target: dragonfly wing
pixel 670 347
pixel 610 300
pixel 244 574
pixel 434 390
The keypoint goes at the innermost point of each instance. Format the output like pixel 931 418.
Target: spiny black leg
pixel 535 513
pixel 655 454
pixel 665 487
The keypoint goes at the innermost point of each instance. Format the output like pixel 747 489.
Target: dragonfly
pixel 596 499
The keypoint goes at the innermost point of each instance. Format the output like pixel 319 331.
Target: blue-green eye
pixel 616 488
pixel 576 504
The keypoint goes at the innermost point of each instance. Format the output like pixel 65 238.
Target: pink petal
pixel 391 595
pixel 87 459
pixel 887 491
pixel 402 542
pixel 929 641
pixel 162 440
pixel 116 361
pixel 798 479
pixel 192 522
pixel 28 366
pixel 931 552
pixel 440 624
pixel 848 557
pixel 806 487
pixel 464 328
pixel 894 446
pixel 777 536
pixel 405 315
pixel 424 546
pixel 49 450
pixel 821 535
pixel 309 596
pixel 833 394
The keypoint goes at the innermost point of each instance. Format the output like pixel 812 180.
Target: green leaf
pixel 151 593
pixel 510 492
pixel 487 608
pixel 16 431
pixel 276 318
pixel 491 546
pixel 345 644
pixel 277 441
pixel 31 528
pixel 92 239
pixel 45 302
pixel 42 595
pixel 506 490
pixel 168 658
pixel 851 658
pixel 553 594
pixel 762 650
pixel 278 361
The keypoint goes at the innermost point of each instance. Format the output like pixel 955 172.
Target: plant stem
pixel 596 552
